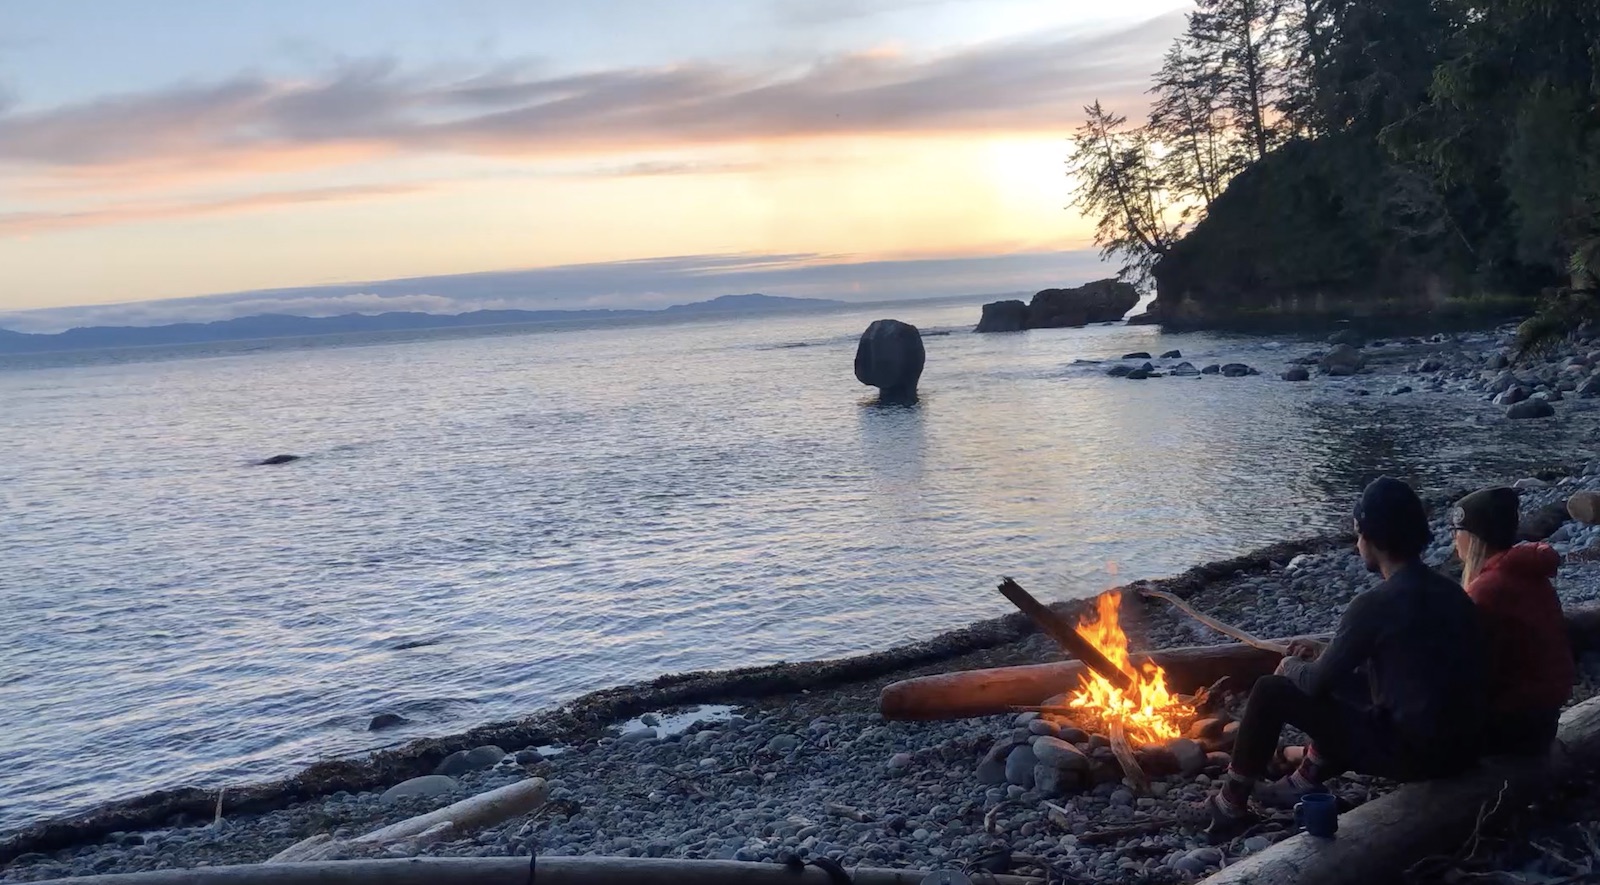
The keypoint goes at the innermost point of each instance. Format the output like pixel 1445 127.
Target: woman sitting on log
pixel 1531 665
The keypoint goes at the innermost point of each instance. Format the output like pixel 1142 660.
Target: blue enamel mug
pixel 1318 814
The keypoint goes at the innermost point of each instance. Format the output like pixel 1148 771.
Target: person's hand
pixel 1306 649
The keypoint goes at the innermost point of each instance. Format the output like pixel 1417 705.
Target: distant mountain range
pixel 284 326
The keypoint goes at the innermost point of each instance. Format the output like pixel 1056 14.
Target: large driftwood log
pixel 993 691
pixel 514 871
pixel 451 822
pixel 1380 840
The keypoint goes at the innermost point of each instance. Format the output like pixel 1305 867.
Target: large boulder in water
pixel 1102 301
pixel 890 357
pixel 1004 316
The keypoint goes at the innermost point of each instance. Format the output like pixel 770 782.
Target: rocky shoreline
pixel 805 765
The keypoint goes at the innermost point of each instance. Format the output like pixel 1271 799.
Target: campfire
pixel 1145 710
pixel 1120 721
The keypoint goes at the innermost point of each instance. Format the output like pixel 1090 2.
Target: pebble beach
pixel 817 772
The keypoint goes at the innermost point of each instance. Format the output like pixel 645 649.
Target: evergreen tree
pixel 1247 39
pixel 1188 121
pixel 1117 182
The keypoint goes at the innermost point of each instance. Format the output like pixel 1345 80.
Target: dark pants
pixel 1522 732
pixel 1347 736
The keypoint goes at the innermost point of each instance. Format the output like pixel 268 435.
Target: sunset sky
pixel 176 148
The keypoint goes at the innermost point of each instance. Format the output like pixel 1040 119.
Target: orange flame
pixel 1148 712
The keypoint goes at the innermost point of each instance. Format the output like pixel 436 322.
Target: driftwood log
pixel 514 871
pixel 1380 840
pixel 994 691
pixel 454 821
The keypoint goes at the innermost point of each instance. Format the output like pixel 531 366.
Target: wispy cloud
pixel 28 223
pixel 377 106
pixel 644 283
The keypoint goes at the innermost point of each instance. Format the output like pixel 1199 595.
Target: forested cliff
pixel 1358 157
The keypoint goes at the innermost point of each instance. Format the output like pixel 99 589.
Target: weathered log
pixel 1065 635
pixel 451 822
pixel 514 871
pixel 994 691
pixel 1380 840
pixel 991 692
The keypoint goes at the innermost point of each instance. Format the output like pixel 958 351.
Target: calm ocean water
pixel 489 524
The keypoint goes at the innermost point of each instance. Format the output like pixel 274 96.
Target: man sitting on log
pixel 1399 692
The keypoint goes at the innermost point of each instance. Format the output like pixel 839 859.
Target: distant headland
pixel 287 326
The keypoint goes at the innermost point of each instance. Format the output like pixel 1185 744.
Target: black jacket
pixel 1419 640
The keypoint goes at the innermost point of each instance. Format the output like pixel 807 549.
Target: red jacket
pixel 1531 661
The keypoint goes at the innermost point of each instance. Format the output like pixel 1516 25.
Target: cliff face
pixel 1311 232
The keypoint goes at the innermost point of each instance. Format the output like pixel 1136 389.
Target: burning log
pixel 1382 838
pixel 1065 635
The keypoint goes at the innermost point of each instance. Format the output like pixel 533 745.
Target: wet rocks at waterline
pixel 890 357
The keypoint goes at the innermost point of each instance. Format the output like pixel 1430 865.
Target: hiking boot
pixel 1214 818
pixel 1283 792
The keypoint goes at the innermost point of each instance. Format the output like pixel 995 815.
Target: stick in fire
pixel 1065 634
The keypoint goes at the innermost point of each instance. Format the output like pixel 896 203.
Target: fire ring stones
pixel 1057 753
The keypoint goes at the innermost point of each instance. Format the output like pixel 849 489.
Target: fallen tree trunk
pixel 1380 840
pixel 993 691
pixel 996 690
pixel 514 871
pixel 454 821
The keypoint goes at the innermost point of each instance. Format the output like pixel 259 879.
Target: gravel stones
pixel 1531 408
pixel 425 787
pixel 992 770
pixel 1190 756
pixel 783 743
pixel 1585 507
pixel 1058 753
pixel 475 759
pixel 1511 396
pixel 1019 766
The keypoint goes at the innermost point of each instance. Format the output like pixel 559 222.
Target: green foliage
pixel 1558 316
pixel 1374 144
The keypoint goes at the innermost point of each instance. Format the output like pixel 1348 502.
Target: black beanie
pixel 1491 514
pixel 1391 516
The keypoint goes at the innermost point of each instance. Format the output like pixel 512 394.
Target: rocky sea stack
pixel 890 357
pixel 1102 301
